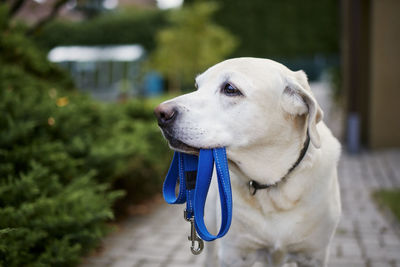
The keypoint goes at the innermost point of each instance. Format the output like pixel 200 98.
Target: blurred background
pixel 80 151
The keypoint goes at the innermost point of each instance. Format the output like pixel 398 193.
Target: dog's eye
pixel 229 90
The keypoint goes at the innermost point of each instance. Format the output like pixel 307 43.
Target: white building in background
pixel 166 4
pixel 106 72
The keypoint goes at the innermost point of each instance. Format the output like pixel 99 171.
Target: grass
pixel 389 199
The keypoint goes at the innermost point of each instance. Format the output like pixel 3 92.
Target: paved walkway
pixel 364 237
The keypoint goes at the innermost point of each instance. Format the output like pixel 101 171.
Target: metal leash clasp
pixel 193 237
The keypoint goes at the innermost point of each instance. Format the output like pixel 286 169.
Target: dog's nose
pixel 165 113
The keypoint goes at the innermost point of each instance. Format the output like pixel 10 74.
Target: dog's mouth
pixel 180 146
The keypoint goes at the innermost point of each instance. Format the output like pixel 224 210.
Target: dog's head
pixel 240 102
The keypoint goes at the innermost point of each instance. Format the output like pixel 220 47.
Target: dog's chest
pixel 273 228
pixel 272 220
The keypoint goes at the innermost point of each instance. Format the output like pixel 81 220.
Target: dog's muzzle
pixel 167 114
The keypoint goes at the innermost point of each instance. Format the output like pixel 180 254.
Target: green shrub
pixel 51 208
pixel 121 27
pixel 60 153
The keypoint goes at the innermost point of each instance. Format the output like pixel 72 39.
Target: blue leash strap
pixel 204 175
pixel 175 174
pixel 182 168
pixel 194 175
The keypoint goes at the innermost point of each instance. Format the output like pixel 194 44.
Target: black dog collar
pixel 254 186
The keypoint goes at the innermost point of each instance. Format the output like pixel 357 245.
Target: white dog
pixel 271 125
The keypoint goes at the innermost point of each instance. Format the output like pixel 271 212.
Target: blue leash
pixel 194 175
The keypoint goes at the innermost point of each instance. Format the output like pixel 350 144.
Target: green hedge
pixel 119 27
pixel 281 28
pixel 60 154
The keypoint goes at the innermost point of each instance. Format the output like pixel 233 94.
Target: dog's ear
pixel 297 99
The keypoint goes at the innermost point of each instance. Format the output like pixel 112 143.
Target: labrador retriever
pixel 282 160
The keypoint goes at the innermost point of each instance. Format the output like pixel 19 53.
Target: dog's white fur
pixel 263 132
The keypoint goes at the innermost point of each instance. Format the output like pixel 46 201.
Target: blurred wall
pixel 385 73
pixel 371 76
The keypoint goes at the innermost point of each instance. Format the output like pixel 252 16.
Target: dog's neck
pixel 269 163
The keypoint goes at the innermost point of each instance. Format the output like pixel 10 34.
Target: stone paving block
pixel 382 239
pixel 347 264
pixel 371 240
pixel 371 225
pixel 163 240
pixel 185 256
pixel 381 264
pixel 116 252
pixel 158 250
pixel 391 238
pixel 343 235
pixel 97 262
pixel 382 254
pixel 342 262
pixel 123 263
pixel 349 249
pixel 175 264
pixel 150 264
pixel 199 259
pixel 160 255
pixel 345 224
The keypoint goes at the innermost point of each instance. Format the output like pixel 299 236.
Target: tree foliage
pixel 191 43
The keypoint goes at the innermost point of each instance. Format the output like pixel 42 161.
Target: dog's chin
pixel 180 146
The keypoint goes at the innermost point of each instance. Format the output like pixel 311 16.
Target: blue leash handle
pixel 184 164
